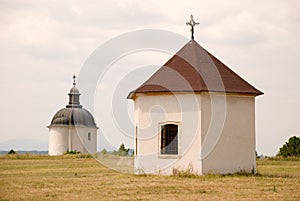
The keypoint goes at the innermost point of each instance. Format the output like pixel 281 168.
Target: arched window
pixel 169 139
pixel 89 136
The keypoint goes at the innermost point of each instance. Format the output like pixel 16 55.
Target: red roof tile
pixel 193 69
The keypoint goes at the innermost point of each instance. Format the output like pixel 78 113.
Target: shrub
pixel 12 152
pixel 72 152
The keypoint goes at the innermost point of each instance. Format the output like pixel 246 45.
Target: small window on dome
pixel 89 136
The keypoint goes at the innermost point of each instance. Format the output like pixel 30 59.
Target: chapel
pixel 72 128
pixel 194 113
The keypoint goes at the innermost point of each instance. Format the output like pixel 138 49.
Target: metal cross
pixel 192 23
pixel 74 80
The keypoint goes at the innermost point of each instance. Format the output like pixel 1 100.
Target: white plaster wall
pixel 80 140
pixel 228 150
pixel 235 149
pixel 64 138
pixel 150 112
pixel 58 140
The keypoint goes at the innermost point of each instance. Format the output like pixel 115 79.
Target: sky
pixel 43 43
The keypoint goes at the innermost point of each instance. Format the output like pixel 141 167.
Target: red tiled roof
pixel 193 69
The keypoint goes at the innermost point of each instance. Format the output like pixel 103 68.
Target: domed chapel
pixel 72 128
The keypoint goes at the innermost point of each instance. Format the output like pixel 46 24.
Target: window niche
pixel 169 139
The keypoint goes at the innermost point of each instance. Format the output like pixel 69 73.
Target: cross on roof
pixel 192 23
pixel 74 80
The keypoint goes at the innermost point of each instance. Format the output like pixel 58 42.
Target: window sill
pixel 169 156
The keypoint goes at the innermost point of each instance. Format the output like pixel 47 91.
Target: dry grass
pixel 83 178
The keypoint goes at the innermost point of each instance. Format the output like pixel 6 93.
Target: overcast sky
pixel 43 43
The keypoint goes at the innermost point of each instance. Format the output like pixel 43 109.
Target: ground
pixel 84 178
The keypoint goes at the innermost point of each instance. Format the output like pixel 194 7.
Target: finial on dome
pixel 74 79
pixel 74 96
pixel 192 23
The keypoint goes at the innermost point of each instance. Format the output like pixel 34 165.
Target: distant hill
pixel 34 152
pixel 24 144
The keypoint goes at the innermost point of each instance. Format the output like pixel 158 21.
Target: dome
pixel 73 117
pixel 73 114
pixel 74 90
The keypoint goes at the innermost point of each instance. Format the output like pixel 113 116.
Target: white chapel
pixel 194 113
pixel 72 128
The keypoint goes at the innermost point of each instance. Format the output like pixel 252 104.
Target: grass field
pixel 83 178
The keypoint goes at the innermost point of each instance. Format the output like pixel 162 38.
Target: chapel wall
pixel 58 140
pixel 80 140
pixel 153 110
pixel 234 149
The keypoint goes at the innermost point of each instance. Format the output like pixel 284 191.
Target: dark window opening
pixel 89 136
pixel 136 140
pixel 169 139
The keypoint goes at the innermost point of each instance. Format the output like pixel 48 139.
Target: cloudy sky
pixel 43 43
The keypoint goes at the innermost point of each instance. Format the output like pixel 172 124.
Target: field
pixel 83 178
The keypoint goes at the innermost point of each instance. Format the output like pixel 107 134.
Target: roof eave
pixel 67 125
pixel 132 95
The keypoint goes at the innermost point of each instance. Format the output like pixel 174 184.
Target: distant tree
pixel 104 151
pixel 12 152
pixel 122 150
pixel 290 148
